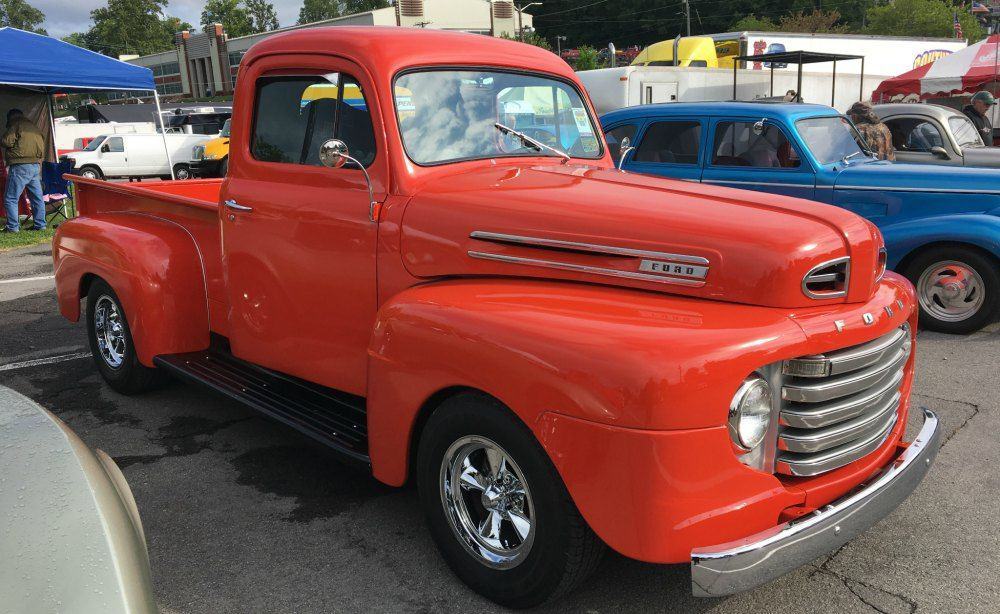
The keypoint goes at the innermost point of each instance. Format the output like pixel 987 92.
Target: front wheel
pixel 91 172
pixel 497 508
pixel 182 171
pixel 111 343
pixel 958 289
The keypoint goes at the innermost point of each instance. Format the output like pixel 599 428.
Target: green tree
pixel 263 17
pixel 532 38
pixel 173 25
pixel 754 24
pixel 76 38
pixel 362 6
pixel 588 59
pixel 234 18
pixel 318 10
pixel 921 18
pixel 21 15
pixel 129 27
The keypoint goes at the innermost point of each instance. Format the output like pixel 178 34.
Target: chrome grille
pixel 827 280
pixel 844 408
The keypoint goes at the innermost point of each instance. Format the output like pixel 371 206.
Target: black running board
pixel 334 418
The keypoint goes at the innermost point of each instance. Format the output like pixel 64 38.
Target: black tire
pixel 224 167
pixel 182 172
pixel 933 259
pixel 563 550
pixel 89 170
pixel 129 376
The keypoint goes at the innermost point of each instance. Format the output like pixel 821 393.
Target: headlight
pixel 210 156
pixel 750 412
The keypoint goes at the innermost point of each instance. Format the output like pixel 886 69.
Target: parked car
pixel 541 343
pixel 136 155
pixel 941 224
pixel 211 158
pixel 72 540
pixel 934 134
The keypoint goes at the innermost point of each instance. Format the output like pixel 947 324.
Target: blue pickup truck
pixel 941 224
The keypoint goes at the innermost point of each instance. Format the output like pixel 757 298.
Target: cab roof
pixel 386 50
pixel 788 111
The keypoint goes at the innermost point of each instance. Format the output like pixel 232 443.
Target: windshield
pixel 94 144
pixel 448 115
pixel 225 129
pixel 965 131
pixel 830 139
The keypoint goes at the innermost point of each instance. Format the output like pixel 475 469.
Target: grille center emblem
pixel 673 269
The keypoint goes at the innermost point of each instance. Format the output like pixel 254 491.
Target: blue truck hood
pixel 919 177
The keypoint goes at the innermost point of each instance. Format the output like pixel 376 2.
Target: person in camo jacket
pixel 875 133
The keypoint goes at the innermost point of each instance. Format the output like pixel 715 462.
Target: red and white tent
pixel 966 71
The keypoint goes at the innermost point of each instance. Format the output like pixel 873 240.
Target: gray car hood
pixel 982 156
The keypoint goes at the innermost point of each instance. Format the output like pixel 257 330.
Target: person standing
pixel 874 132
pixel 23 149
pixel 978 111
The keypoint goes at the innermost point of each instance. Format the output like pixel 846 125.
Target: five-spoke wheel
pixel 957 288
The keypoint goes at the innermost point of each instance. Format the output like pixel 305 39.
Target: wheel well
pixel 908 258
pixel 85 283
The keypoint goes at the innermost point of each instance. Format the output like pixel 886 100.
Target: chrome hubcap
pixel 951 291
pixel 487 502
pixel 110 331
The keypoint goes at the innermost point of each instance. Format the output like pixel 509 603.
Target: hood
pixel 920 177
pixel 603 226
pixel 982 156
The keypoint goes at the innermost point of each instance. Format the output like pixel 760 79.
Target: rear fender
pixel 153 265
pixel 905 238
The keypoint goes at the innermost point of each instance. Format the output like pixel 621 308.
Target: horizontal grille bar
pixel 813 416
pixel 805 465
pixel 817 440
pixel 850 383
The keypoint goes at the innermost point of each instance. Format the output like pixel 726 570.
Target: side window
pixel 116 144
pixel 673 142
pixel 737 144
pixel 295 115
pixel 615 137
pixel 913 134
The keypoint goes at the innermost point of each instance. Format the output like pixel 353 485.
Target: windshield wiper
pixel 849 156
pixel 530 141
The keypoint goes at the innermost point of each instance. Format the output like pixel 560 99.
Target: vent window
pixel 828 280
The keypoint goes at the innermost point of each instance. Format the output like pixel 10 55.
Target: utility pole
pixel 559 40
pixel 520 18
pixel 687 15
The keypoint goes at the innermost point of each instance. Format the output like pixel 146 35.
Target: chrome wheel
pixel 109 329
pixel 89 174
pixel 951 291
pixel 487 502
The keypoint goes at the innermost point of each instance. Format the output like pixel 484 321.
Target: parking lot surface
pixel 244 515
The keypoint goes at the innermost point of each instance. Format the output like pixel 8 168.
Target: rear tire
pixel 541 547
pixel 958 288
pixel 111 343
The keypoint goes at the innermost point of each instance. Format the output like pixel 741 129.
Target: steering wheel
pixel 541 135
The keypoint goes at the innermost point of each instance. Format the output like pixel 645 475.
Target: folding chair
pixel 56 189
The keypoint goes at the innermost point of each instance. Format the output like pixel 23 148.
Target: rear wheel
pixel 91 172
pixel 958 289
pixel 111 343
pixel 497 508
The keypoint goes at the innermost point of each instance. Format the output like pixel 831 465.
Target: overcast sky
pixel 63 17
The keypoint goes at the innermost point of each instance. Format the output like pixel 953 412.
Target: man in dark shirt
pixel 978 112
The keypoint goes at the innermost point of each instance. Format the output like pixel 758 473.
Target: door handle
pixel 232 204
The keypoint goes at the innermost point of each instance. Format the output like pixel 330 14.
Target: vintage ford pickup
pixel 941 224
pixel 562 356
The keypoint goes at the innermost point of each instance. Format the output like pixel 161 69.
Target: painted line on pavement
pixel 44 361
pixel 19 279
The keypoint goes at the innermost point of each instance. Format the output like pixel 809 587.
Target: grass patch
pixel 13 240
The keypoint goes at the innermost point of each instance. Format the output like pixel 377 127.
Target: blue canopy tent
pixel 34 63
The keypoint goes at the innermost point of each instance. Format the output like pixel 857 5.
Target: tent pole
pixel 163 133
pixel 52 127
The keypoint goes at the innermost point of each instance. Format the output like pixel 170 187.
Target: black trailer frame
pixel 800 58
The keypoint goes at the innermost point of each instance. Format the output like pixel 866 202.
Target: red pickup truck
pixel 424 257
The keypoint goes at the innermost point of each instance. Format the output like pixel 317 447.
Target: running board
pixel 334 418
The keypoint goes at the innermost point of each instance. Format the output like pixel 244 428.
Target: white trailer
pixel 614 88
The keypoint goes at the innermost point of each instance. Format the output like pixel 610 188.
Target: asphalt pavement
pixel 244 515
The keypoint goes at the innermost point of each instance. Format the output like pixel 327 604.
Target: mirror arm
pixel 624 154
pixel 368 181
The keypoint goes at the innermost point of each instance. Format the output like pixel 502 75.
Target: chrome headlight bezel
pixel 750 413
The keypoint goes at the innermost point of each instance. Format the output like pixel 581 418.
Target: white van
pixel 136 155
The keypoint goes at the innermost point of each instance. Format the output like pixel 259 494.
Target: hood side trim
pixel 575 246
pixel 582 268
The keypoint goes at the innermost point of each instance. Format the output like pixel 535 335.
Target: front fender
pixel 903 238
pixel 153 265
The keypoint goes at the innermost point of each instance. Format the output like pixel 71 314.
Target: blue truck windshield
pixel 830 139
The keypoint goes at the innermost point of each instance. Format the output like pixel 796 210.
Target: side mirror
pixel 758 127
pixel 333 154
pixel 940 152
pixel 105 148
pixel 624 149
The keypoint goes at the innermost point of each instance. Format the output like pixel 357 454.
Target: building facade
pixel 205 64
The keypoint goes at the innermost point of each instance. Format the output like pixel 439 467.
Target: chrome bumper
pixel 747 563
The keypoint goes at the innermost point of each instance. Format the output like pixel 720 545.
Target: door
pixel 921 140
pixel 113 158
pixel 299 247
pixel 669 147
pixel 756 154
pixel 653 93
pixel 146 155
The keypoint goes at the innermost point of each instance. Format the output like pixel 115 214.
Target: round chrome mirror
pixel 625 144
pixel 758 128
pixel 333 153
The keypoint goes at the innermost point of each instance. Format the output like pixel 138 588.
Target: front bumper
pixel 205 168
pixel 747 563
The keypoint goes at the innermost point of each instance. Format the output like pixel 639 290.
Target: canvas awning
pixel 966 71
